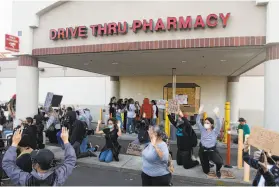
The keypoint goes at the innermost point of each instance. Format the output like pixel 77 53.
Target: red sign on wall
pixel 11 43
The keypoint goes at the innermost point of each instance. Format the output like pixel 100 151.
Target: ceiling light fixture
pixel 114 63
pixel 183 61
pixel 223 60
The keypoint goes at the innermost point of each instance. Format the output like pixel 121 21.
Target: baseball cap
pixel 241 120
pixel 43 157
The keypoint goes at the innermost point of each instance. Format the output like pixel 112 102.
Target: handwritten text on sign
pixel 134 149
pixel 173 106
pixel 264 139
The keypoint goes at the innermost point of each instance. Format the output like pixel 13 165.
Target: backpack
pixel 194 138
pixel 143 136
pixel 85 127
pixel 49 181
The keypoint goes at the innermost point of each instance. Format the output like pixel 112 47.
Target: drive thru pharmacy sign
pixel 11 43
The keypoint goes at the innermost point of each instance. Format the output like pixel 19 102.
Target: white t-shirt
pixel 131 111
pixel 154 111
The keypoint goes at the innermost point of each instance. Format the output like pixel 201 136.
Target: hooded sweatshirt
pixel 19 177
pixel 147 109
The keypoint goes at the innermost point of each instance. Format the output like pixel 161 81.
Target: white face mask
pixel 207 126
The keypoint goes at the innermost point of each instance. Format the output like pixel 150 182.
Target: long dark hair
pixel 120 104
pixel 114 121
pixel 130 101
pixel 157 111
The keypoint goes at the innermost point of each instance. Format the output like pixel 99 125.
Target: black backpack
pixel 194 138
pixel 49 181
pixel 143 136
pixel 85 129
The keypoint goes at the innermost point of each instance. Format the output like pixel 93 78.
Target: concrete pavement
pixel 132 164
pixel 124 141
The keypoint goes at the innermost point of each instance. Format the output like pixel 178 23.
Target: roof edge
pixel 51 7
pixel 9 59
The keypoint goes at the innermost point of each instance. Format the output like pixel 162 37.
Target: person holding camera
pixel 43 174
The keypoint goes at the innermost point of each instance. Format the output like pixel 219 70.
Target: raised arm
pixel 218 121
pixel 198 119
pixel 66 169
pixel 98 131
pixel 17 176
pixel 173 122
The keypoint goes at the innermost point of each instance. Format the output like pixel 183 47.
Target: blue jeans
pixel 153 121
pixel 118 118
pixel 130 125
pixel 106 156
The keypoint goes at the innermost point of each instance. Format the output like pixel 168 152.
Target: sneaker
pixel 218 174
pixel 5 178
pixel 96 148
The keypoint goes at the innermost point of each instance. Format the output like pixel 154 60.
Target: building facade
pixel 138 44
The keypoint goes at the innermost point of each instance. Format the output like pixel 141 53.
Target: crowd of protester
pixel 28 163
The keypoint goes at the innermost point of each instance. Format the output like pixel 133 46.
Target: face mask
pixel 207 126
pixel 110 126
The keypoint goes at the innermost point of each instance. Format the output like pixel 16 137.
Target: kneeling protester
pixel 44 173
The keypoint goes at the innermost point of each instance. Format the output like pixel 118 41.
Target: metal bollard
pixel 167 123
pixel 240 149
pixel 101 114
pixel 246 177
pixel 228 158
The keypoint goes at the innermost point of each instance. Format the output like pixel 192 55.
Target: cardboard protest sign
pixel 161 104
pixel 48 100
pixel 264 139
pixel 134 149
pixel 173 106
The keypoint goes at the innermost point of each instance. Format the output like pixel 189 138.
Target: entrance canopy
pixel 230 61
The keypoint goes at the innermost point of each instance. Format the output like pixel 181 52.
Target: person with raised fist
pixel 208 150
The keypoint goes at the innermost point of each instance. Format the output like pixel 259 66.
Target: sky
pixel 5 21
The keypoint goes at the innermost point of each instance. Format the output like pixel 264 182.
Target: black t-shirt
pixel 111 138
pixel 24 162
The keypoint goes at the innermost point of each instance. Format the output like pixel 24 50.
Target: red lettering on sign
pixel 224 19
pixel 211 20
pixel 94 29
pixel 182 22
pixel 53 34
pixel 74 32
pixel 160 25
pixel 112 28
pixel 102 30
pixel 82 31
pixel 123 29
pixel 171 23
pixel 148 25
pixel 185 24
pixel 199 22
pixel 136 25
pixel 61 33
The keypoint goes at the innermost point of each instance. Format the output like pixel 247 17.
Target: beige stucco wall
pixel 213 89
pixel 244 15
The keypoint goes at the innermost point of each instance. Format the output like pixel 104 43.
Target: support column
pixel 173 83
pixel 271 83
pixel 232 97
pixel 114 87
pixel 27 87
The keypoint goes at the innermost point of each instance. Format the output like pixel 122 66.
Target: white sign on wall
pixel 182 99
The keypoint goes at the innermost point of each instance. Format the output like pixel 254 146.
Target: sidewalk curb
pixel 206 181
